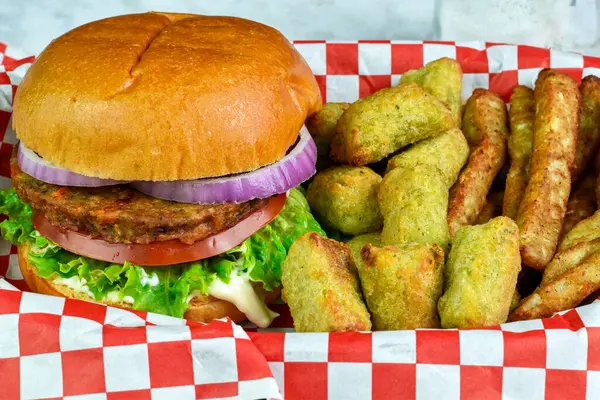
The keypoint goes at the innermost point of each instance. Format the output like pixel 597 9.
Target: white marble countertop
pixel 28 25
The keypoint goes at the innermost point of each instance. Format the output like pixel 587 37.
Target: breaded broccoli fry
pixel 491 209
pixel 386 121
pixel 448 152
pixel 441 78
pixel 584 231
pixel 345 198
pixel 566 291
pixel 544 204
pixel 321 287
pixel 321 126
pixel 358 242
pixel 581 205
pixel 568 259
pixel 588 138
pixel 521 116
pixel 413 203
pixel 481 275
pixel 402 285
pixel 487 213
pixel 485 128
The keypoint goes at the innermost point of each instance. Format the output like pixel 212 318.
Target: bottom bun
pixel 202 309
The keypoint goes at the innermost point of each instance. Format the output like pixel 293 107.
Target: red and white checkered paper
pixel 555 358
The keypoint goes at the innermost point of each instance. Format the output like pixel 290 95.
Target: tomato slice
pixel 161 253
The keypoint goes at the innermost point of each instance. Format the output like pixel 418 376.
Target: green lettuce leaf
pixel 17 227
pixel 258 257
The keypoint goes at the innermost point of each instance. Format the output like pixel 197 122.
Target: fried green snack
pixel 481 275
pixel 486 214
pixel 345 198
pixel 514 302
pixel 358 242
pixel 491 209
pixel 542 210
pixel 566 291
pixel 441 78
pixel 321 126
pixel 581 205
pixel 448 152
pixel 521 116
pixel 386 121
pixel 568 259
pixel 588 138
pixel 585 231
pixel 485 128
pixel 402 285
pixel 413 202
pixel 321 287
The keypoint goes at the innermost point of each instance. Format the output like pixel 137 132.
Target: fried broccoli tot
pixel 481 275
pixel 321 287
pixel 386 121
pixel 345 198
pixel 358 242
pixel 566 291
pixel 588 138
pixel 514 302
pixel 521 116
pixel 321 126
pixel 402 285
pixel 441 78
pixel 581 205
pixel 485 128
pixel 544 204
pixel 447 152
pixel 413 202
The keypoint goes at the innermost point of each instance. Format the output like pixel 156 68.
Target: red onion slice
pixel 37 167
pixel 293 169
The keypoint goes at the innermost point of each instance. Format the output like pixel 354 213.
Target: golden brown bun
pixel 202 309
pixel 160 96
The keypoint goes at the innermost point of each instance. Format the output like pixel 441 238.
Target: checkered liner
pixel 556 358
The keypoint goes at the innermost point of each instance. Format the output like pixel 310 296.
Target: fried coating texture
pixel 485 128
pixel 481 275
pixel 413 202
pixel 386 121
pixel 568 259
pixel 581 205
pixel 588 139
pixel 321 126
pixel 345 198
pixel 521 116
pixel 514 302
pixel 321 287
pixel 358 242
pixel 584 231
pixel 491 209
pixel 544 204
pixel 447 152
pixel 402 285
pixel 441 78
pixel 566 291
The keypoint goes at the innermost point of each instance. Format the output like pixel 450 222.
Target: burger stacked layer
pixel 159 163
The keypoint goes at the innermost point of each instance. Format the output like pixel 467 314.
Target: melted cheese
pixel 239 292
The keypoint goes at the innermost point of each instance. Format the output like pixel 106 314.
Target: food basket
pixel 56 348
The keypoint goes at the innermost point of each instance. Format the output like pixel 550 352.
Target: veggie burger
pixel 157 166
